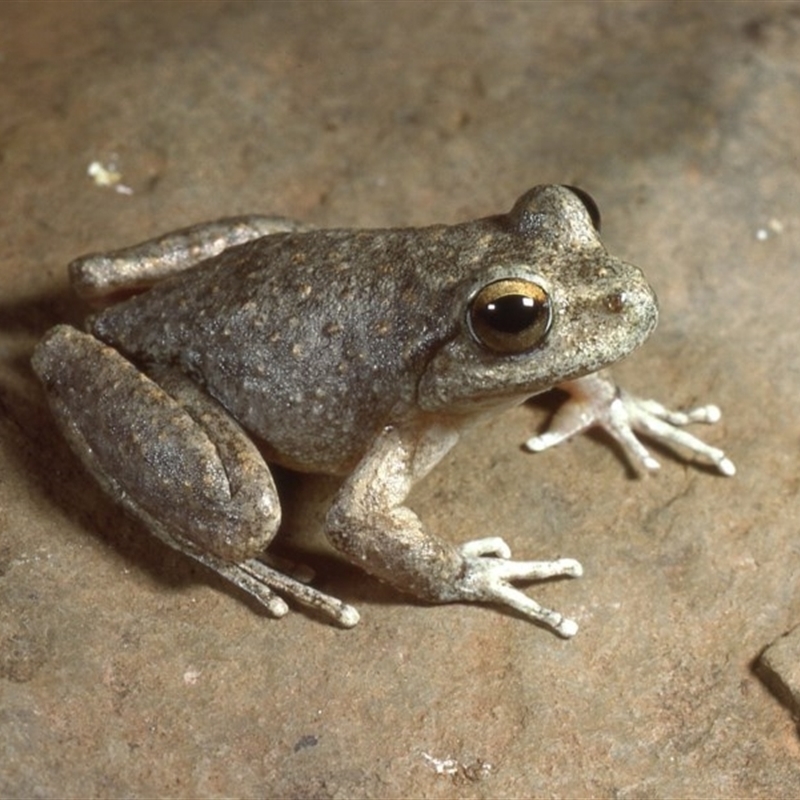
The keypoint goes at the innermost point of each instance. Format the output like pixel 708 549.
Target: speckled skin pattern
pixel 339 351
pixel 316 341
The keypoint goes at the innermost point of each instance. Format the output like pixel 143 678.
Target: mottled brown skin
pixel 338 351
pixel 316 341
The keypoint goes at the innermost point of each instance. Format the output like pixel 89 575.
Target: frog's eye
pixel 510 316
pixel 589 204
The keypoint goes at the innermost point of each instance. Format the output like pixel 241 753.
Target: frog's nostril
pixel 616 302
pixel 630 299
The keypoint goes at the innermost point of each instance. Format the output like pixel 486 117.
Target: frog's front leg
pixel 176 459
pixel 101 278
pixel 369 523
pixel 597 400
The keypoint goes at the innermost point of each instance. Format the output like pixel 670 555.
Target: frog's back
pixel 313 341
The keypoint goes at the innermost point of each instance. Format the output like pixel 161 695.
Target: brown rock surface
pixel 779 666
pixel 126 671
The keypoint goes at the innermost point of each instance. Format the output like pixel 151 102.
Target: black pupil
pixel 512 313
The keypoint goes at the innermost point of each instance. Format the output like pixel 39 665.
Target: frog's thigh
pixel 175 457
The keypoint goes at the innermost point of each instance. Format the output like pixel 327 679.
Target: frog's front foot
pixel 596 400
pixel 488 573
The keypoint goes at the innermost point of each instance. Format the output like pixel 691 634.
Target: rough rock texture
pixel 127 671
pixel 779 665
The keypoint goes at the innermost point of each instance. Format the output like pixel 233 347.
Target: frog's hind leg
pixel 175 458
pixel 103 278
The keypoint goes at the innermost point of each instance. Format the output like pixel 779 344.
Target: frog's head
pixel 546 303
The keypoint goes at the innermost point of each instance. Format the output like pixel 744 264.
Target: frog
pixel 220 349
